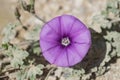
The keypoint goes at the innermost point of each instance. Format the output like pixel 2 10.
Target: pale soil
pixel 113 74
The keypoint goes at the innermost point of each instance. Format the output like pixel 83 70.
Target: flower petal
pixel 62 59
pixel 73 56
pixel 52 54
pixel 55 25
pixel 81 49
pixel 48 33
pixel 83 37
pixel 47 45
pixel 78 26
pixel 66 22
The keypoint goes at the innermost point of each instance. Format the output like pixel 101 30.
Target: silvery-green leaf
pixel 37 50
pixel 33 34
pixel 86 76
pixel 17 55
pixel 94 69
pixel 9 33
pixel 67 72
pixel 21 75
pixel 101 71
pixel 33 71
pixel 40 66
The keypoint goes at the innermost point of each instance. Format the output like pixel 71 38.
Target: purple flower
pixel 65 40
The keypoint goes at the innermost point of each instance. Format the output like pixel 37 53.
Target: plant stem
pixel 51 70
pixel 36 16
pixel 33 13
pixel 115 20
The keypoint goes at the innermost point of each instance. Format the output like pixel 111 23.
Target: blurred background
pixel 47 9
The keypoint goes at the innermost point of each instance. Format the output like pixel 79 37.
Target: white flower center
pixel 65 41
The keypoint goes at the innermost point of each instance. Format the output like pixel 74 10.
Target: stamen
pixel 65 41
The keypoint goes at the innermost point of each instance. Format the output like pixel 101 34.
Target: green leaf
pixel 5 46
pixel 17 55
pixel 116 42
pixel 114 38
pixel 34 70
pixel 100 71
pixel 69 73
pixel 78 72
pixel 101 21
pixel 36 50
pixel 33 34
pixel 21 75
pixel 9 33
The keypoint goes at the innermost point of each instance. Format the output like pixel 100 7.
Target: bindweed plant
pixel 21 56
